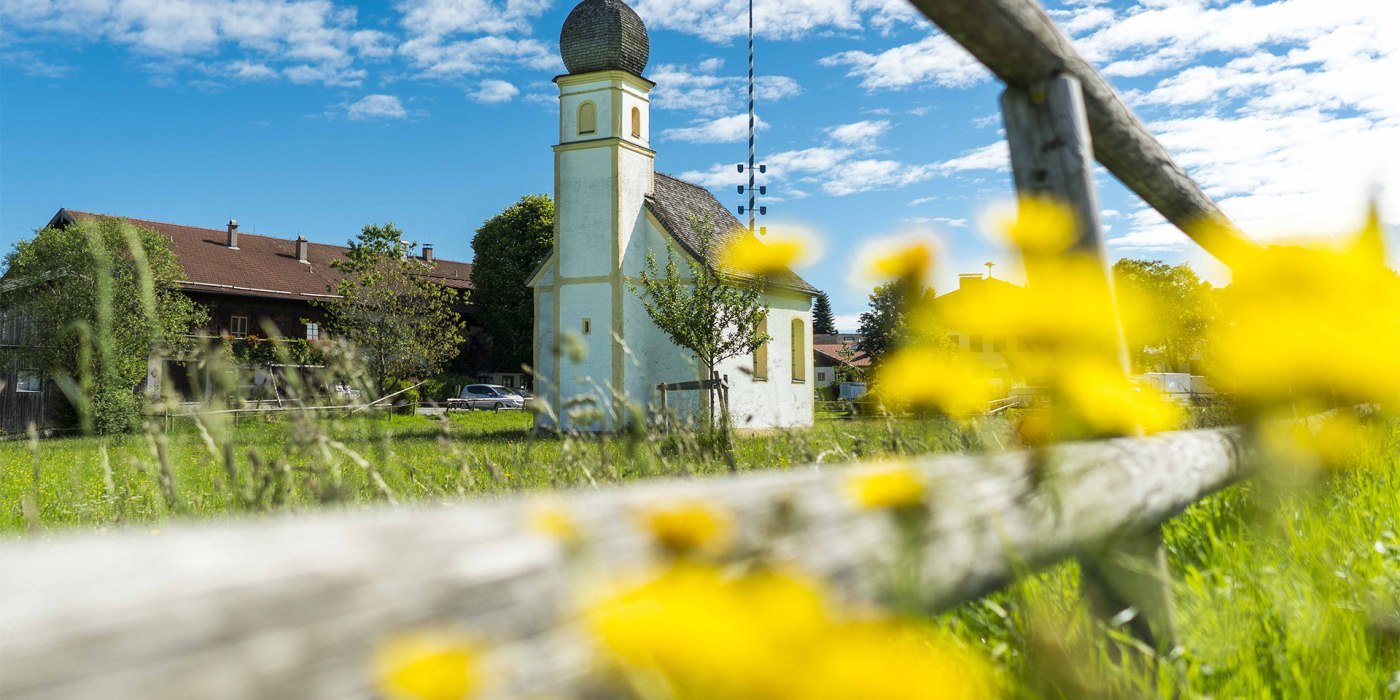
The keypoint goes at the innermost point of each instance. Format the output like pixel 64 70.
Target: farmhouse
pixel 249 283
pixel 612 209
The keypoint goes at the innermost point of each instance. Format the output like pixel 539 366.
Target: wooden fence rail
pixel 292 607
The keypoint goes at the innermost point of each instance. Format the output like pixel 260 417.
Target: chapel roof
pixel 685 209
pixel 604 35
pixel 261 266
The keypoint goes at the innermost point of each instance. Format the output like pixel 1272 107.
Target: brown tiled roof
pixel 262 266
pixel 681 206
pixel 857 359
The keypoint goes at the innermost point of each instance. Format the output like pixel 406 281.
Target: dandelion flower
pixel 893 488
pixel 1040 226
pixel 427 665
pixel 554 522
pixel 1103 398
pixel 775 253
pixel 909 259
pixel 954 383
pixel 688 527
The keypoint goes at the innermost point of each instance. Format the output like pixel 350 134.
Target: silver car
pixel 492 396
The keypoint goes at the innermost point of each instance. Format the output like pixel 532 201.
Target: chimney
pixel 301 250
pixel 428 252
pixel 233 234
pixel 968 279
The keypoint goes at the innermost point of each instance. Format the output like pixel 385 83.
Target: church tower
pixel 603 173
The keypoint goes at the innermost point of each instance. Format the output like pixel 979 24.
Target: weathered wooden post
pixel 1052 156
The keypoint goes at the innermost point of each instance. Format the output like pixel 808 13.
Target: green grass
pixel 281 465
pixel 1282 591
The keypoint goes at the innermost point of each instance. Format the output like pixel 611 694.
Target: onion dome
pixel 604 35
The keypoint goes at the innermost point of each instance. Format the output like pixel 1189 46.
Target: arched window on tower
pixel 799 351
pixel 587 118
pixel 636 122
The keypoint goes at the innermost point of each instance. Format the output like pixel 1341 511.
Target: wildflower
pixel 688 528
pixel 1040 226
pixel 427 665
pixel 777 252
pixel 1101 397
pixel 909 260
pixel 882 660
pixel 893 488
pixel 1332 440
pixel 951 382
pixel 552 521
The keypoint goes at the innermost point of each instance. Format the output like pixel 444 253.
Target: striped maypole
pixel 752 130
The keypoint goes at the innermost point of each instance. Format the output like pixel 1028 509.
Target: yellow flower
pixel 777 252
pixel 1310 323
pixel 688 527
pixel 886 661
pixel 892 488
pixel 1333 441
pixel 1039 226
pixel 954 383
pixel 553 521
pixel 909 259
pixel 1101 397
pixel 427 665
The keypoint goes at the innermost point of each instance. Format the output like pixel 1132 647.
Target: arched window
pixel 636 122
pixel 799 351
pixel 587 118
pixel 760 354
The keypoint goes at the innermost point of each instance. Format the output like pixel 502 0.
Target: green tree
pixel 104 301
pixel 402 321
pixel 884 327
pixel 823 321
pixel 1165 310
pixel 508 248
pixel 705 312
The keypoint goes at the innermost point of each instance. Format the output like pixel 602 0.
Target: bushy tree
pixel 402 321
pixel 706 312
pixel 823 320
pixel 1166 310
pixel 508 248
pixel 885 325
pixel 103 300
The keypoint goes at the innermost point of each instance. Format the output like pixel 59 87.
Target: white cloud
pixel 722 130
pixel 372 107
pixel 445 38
pixel 934 60
pixel 993 157
pixel 860 134
pixel 495 92
pixel 702 89
pixel 314 40
pixel 722 20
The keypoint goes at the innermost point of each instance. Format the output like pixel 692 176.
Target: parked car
pixel 492 396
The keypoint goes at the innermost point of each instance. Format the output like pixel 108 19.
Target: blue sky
pixel 320 116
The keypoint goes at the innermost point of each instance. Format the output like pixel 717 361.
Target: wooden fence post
pixel 1052 155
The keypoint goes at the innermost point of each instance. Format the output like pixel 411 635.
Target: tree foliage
pixel 402 321
pixel 103 300
pixel 823 320
pixel 885 326
pixel 508 248
pixel 1166 311
pixel 703 311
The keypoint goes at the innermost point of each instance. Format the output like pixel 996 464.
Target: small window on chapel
pixel 760 354
pixel 587 326
pixel 799 351
pixel 636 123
pixel 587 118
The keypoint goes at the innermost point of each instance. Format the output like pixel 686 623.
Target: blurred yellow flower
pixel 901 487
pixel 688 527
pixel 910 259
pixel 1315 324
pixel 1038 226
pixel 553 521
pixel 1332 440
pixel 777 252
pixel 952 382
pixel 692 633
pixel 1109 404
pixel 427 665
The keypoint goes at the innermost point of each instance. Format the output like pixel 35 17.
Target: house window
pixel 313 331
pixel 238 326
pixel 28 381
pixel 999 343
pixel 760 354
pixel 636 122
pixel 821 375
pixel 587 118
pixel 799 351
pixel 587 326
pixel 955 339
pixel 974 343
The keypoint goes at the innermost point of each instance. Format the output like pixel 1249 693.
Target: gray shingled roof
pixel 604 35
pixel 683 207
